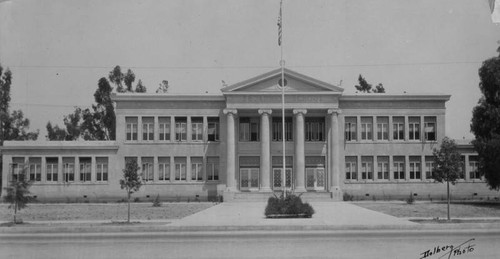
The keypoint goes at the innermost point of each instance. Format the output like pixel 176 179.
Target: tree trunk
pixel 128 217
pixel 15 212
pixel 448 190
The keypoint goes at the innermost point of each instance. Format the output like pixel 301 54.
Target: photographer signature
pixel 451 250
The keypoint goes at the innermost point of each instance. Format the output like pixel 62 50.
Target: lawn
pixel 434 209
pixel 109 211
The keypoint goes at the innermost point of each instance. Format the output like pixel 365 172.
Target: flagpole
pixel 283 128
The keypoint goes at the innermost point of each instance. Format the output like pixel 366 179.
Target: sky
pixel 57 50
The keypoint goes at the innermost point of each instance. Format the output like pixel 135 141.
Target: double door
pixel 278 182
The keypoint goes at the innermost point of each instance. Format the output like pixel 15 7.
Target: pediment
pixel 268 83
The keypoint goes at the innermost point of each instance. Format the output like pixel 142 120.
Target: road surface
pixel 313 244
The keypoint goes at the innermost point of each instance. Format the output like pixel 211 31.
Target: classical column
pixel 265 151
pixel 300 163
pixel 231 150
pixel 335 174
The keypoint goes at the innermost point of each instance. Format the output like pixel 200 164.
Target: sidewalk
pixel 329 216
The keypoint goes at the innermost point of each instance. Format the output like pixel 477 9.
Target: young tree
pixel 163 88
pixel 18 193
pixel 140 88
pixel 364 86
pixel 129 78
pixel 485 123
pixel 55 133
pixel 447 164
pixel 131 181
pixel 116 76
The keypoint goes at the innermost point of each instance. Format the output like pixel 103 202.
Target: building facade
pixel 376 146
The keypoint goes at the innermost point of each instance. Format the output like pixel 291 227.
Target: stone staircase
pixel 263 196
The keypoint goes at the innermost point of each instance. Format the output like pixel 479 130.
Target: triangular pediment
pixel 268 83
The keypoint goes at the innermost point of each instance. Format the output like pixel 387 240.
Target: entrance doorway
pixel 249 179
pixel 315 179
pixel 278 182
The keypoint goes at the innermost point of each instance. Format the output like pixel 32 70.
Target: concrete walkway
pixel 248 215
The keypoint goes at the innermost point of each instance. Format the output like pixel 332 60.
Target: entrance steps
pixel 264 196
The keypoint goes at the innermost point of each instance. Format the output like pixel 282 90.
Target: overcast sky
pixel 58 50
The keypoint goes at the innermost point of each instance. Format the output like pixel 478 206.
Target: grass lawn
pixel 434 209
pixel 108 211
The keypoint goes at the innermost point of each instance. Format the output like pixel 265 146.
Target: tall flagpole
pixel 282 64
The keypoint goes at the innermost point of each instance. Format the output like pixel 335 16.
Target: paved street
pixel 304 244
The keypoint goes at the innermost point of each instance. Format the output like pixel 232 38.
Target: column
pixel 300 163
pixel 60 173
pixel 43 170
pixel 231 150
pixel 189 129
pixel 205 130
pixel 375 168
pixel 156 128
pixel 93 171
pixel 139 128
pixel 467 168
pixel 156 172
pixel 265 151
pixel 335 174
pixel 172 128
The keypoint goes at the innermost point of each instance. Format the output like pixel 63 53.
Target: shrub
pixel 410 199
pixel 292 205
pixel 156 201
pixel 347 197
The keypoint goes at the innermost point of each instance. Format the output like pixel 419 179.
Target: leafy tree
pixel 116 76
pixel 163 88
pixel 131 181
pixel 129 78
pixel 485 123
pixel 140 88
pixel 447 164
pixel 18 193
pixel 55 133
pixel 364 86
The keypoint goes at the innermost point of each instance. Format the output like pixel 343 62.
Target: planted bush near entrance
pixel 289 207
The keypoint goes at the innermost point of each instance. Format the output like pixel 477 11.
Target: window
pixel 351 168
pixel 366 168
pixel 85 168
pixel 398 128
pixel 249 129
pixel 350 129
pixel 315 129
pixel 180 168
pixel 213 129
pixel 278 129
pixel 18 168
pixel 430 128
pixel 461 169
pixel 181 128
pixel 414 128
pixel 399 168
pixel 429 167
pixel 382 128
pixel 147 169
pixel 52 168
pixel 366 128
pixel 212 169
pixel 197 129
pixel 101 169
pixel 148 131
pixel 383 168
pixel 196 168
pixel 164 168
pixel 35 167
pixel 68 169
pixel 131 130
pixel 164 128
pixel 415 168
pixel 473 168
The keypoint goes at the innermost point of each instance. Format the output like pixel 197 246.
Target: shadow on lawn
pixel 482 204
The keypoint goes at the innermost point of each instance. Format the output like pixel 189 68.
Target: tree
pixel 131 181
pixel 18 193
pixel 129 78
pixel 485 123
pixel 163 88
pixel 55 133
pixel 140 88
pixel 447 164
pixel 116 76
pixel 364 86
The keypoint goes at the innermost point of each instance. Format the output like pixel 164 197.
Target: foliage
pixel 156 201
pixel 55 133
pixel 163 87
pixel 347 197
pixel 18 194
pixel 291 205
pixel 410 199
pixel 128 79
pixel 116 76
pixel 140 88
pixel 485 123
pixel 364 86
pixel 447 162
pixel 131 181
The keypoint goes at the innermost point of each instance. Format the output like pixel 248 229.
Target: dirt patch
pixel 434 209
pixel 110 211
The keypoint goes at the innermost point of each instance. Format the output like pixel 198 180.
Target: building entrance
pixel 278 182
pixel 315 179
pixel 249 179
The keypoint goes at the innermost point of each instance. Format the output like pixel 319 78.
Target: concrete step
pixel 264 196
